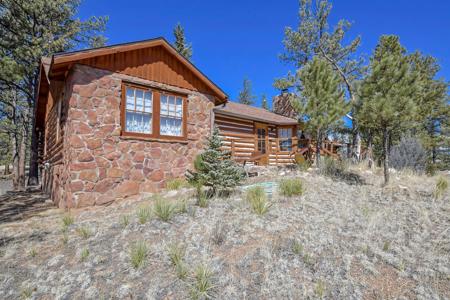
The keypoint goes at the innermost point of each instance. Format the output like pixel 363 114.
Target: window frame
pixel 281 139
pixel 156 113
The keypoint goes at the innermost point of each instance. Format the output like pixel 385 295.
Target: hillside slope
pixel 336 241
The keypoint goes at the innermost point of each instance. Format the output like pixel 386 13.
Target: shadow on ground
pixel 16 206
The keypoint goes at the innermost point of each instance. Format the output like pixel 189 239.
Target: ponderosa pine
pixel 245 95
pixel 313 37
pixel 30 30
pixel 388 93
pixel 320 100
pixel 182 46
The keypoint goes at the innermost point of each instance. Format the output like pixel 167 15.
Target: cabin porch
pixel 260 137
pixel 275 150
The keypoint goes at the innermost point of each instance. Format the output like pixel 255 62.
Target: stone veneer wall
pixel 101 166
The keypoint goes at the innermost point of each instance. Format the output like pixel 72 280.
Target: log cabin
pixel 121 120
pixel 256 135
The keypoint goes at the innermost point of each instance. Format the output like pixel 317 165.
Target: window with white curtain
pixel 138 110
pixel 285 138
pixel 171 115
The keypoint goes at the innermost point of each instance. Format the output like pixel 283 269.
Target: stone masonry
pixel 100 165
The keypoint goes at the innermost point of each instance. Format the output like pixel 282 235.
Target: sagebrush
pixel 408 154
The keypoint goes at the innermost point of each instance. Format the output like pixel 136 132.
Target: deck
pixel 272 150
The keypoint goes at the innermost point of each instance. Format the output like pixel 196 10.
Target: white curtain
pixel 138 117
pixel 138 122
pixel 171 115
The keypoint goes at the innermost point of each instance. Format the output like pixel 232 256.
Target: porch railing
pixel 277 150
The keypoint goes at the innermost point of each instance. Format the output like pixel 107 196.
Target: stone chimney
pixel 282 106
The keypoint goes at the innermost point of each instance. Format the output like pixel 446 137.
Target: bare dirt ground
pixel 5 185
pixel 336 241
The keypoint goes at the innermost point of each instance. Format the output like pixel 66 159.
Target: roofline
pixel 227 113
pixel 65 57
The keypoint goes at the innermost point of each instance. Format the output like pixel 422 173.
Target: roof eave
pixel 220 111
pixel 67 57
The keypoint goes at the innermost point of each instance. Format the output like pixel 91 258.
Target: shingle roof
pixel 253 113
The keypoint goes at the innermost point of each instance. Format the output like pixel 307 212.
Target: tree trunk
pixel 370 150
pixel 386 155
pixel 433 154
pixel 22 156
pixel 15 155
pixel 15 146
pixel 6 171
pixel 318 146
pixel 356 141
pixel 33 170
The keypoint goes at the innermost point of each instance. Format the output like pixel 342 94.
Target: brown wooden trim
pixel 226 118
pixel 154 88
pixel 157 117
pixel 156 114
pixel 130 136
pixel 86 54
pixel 185 117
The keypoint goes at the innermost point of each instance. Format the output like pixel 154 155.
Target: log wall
pixel 239 137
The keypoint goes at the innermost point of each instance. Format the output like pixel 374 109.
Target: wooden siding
pixel 54 132
pixel 239 137
pixel 153 63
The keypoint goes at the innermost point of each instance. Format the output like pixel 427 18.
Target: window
pixel 138 110
pixel 171 115
pixel 285 138
pixel 152 113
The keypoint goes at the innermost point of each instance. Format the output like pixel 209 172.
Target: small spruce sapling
pixel 214 167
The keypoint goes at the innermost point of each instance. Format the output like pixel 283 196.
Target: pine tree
pixel 432 103
pixel 313 37
pixel 264 102
pixel 180 43
pixel 388 94
pixel 320 101
pixel 28 31
pixel 245 95
pixel 215 168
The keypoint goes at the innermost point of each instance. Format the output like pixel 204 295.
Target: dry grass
pixel 144 213
pixel 138 254
pixel 257 198
pixel 84 254
pixel 291 187
pixel 164 209
pixel 176 184
pixel 341 241
pixel 440 188
pixel 176 254
pixel 84 231
pixel 67 220
pixel 202 286
pixel 124 220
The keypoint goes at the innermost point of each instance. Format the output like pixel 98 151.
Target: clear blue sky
pixel 235 39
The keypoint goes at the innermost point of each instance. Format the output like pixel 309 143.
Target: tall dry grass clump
pixel 163 209
pixel 257 198
pixel 138 254
pixel 176 184
pixel 291 187
pixel 440 188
